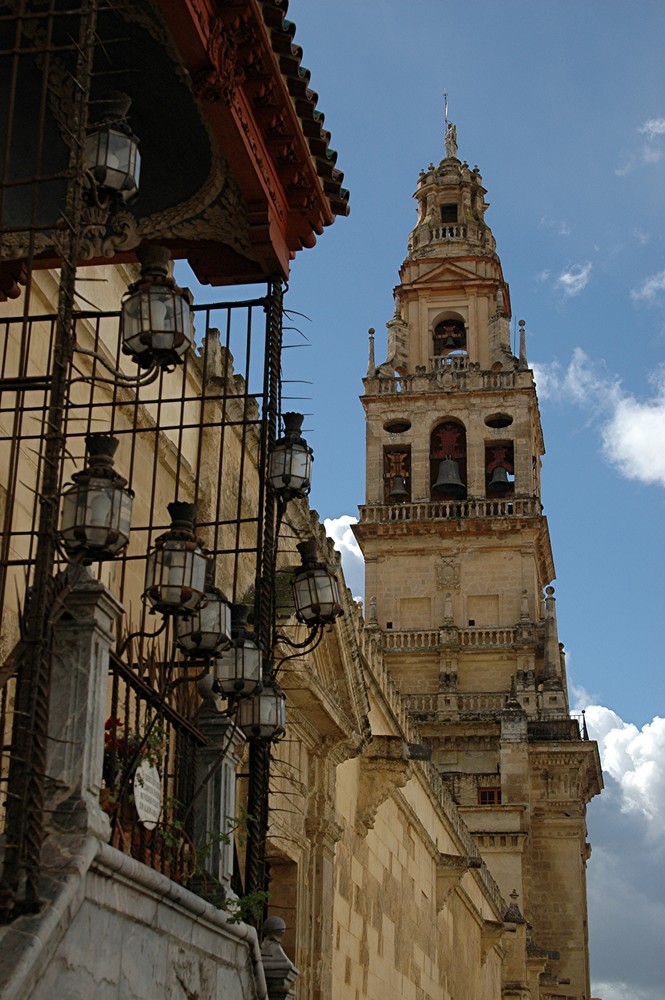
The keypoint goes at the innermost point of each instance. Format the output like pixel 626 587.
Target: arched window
pixel 449 335
pixel 447 461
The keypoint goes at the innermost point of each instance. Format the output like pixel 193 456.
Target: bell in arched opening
pixel 500 483
pixel 398 491
pixel 448 481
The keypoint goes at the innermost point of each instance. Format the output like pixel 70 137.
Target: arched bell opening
pixel 449 336
pixel 447 460
pixel 499 469
pixel 397 474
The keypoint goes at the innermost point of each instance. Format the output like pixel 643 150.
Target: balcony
pixel 447 373
pixel 466 638
pixel 437 510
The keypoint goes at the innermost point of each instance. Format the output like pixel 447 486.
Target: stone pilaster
pixel 77 706
pixel 215 807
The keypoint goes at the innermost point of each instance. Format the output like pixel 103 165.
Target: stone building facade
pixel 458 575
pixel 426 835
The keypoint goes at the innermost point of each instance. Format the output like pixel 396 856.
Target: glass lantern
pixel 290 468
pixel 97 509
pixel 112 150
pixel 263 716
pixel 239 669
pixel 208 628
pixel 156 324
pixel 315 589
pixel 175 577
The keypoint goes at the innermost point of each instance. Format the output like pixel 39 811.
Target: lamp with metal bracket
pixel 97 509
pixel 290 467
pixel 176 569
pixel 238 670
pixel 112 150
pixel 156 326
pixel 315 589
pixel 263 716
pixel 207 630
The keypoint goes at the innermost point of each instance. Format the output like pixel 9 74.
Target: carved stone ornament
pixel 384 767
pixel 224 74
pixel 490 936
pixel 450 869
pixel 447 574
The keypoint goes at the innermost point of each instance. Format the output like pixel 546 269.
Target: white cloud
pixel 575 279
pixel 623 991
pixel 627 867
pixel 626 169
pixel 648 290
pixel 353 564
pixel 635 759
pixel 634 434
pixel 653 127
pixel 651 151
pixel 641 236
pixel 631 431
pixel 560 226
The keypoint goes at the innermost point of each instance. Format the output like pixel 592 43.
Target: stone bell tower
pixel 459 569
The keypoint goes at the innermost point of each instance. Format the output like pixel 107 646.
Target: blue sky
pixel 562 106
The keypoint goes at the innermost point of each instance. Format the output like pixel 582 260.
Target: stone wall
pixel 115 928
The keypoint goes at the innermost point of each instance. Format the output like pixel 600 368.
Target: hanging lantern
pixel 315 589
pixel 97 509
pixel 156 325
pixel 176 570
pixel 208 628
pixel 112 150
pixel 290 468
pixel 240 667
pixel 263 716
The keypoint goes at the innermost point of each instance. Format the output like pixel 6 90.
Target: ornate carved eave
pixel 236 175
pixel 384 767
pixel 247 73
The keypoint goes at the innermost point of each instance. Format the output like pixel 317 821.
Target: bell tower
pixel 458 572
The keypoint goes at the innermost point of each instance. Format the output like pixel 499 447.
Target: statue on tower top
pixel 451 140
pixel 450 137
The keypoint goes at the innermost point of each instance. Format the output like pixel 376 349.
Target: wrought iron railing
pixel 150 749
pixel 200 433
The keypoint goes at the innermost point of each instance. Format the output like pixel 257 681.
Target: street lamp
pixel 176 569
pixel 315 589
pixel 156 325
pixel 112 150
pixel 97 509
pixel 290 468
pixel 238 670
pixel 208 628
pixel 263 716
